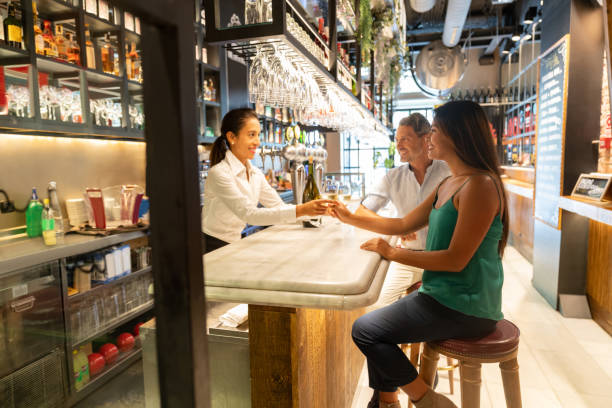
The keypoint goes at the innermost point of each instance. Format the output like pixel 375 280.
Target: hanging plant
pixel 364 31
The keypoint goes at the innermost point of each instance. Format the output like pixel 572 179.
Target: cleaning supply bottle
pixel 33 215
pixel 48 224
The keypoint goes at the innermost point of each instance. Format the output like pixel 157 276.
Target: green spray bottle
pixel 33 215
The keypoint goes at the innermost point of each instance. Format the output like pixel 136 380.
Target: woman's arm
pixel 478 204
pixel 413 221
pixel 223 185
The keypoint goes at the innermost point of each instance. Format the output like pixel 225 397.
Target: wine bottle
pixel 12 28
pixel 311 190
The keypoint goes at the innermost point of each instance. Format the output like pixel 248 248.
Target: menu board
pixel 551 132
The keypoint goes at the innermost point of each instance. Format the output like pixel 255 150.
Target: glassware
pixel 251 12
pixel 331 188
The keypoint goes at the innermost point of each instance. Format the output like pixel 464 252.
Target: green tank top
pixel 477 289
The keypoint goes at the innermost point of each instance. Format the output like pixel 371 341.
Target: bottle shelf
pixel 131 36
pixel 49 8
pixel 123 361
pixel 210 104
pixel 206 140
pixel 522 103
pixel 12 52
pixel 124 318
pixel 208 67
pixel 100 287
pixel 507 139
pixel 98 25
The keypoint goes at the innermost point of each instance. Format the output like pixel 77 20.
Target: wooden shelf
pixel 50 8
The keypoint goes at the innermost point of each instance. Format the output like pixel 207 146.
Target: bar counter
pixel 305 288
pixel 293 266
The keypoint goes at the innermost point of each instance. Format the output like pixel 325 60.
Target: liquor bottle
pixel 50 47
pixel 54 205
pixel 481 95
pixel 89 49
pixel 60 42
pixel 39 42
pixel 517 94
pixel 133 62
pixel 107 55
pixel 12 28
pixel 488 98
pixel 74 50
pixel 311 190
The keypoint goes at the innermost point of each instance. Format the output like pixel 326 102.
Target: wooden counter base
pixel 303 357
pixel 599 274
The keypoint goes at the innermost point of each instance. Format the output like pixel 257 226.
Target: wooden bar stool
pixel 501 347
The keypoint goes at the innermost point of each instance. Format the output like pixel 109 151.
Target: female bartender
pixel 461 292
pixel 235 187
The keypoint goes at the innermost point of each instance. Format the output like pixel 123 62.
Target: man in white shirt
pixel 406 187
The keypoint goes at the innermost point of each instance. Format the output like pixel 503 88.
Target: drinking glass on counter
pixel 330 189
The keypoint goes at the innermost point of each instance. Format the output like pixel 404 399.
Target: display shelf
pixel 98 25
pixel 10 53
pixel 522 103
pixel 206 140
pixel 100 287
pixel 124 361
pixel 21 252
pixel 593 210
pixel 49 8
pixel 209 67
pixel 131 36
pixel 99 77
pixel 519 136
pixel 126 317
pixel 56 66
pixel 210 104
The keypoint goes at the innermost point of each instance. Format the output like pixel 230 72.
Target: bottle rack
pixel 104 104
pixel 210 69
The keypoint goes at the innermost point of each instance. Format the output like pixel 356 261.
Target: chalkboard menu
pixel 551 132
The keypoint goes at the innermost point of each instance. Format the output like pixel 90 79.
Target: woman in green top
pixel 462 283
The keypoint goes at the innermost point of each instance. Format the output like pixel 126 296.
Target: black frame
pixel 172 181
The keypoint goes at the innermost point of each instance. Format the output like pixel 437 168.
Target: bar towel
pixel 235 316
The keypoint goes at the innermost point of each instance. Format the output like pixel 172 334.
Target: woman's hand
pixel 377 245
pixel 339 211
pixel 312 208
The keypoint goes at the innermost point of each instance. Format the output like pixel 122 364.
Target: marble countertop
pixel 292 266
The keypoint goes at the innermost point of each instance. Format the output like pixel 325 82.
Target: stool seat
pixel 503 340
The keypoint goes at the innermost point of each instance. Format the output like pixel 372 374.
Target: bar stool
pixel 501 347
pixel 415 351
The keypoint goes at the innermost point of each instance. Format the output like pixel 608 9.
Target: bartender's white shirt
pixel 230 200
pixel 401 188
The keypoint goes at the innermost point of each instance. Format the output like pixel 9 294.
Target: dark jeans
pixel 212 243
pixel 412 319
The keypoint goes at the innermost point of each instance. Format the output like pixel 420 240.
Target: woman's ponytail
pixel 220 147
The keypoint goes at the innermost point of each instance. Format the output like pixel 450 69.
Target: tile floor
pixel 563 362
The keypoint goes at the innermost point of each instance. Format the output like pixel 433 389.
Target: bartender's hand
pixel 377 245
pixel 312 208
pixel 339 211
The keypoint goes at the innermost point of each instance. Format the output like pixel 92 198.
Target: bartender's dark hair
pixel 233 121
pixel 466 123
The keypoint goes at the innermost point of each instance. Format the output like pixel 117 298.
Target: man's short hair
pixel 418 123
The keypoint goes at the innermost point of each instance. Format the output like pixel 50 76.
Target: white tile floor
pixel 563 362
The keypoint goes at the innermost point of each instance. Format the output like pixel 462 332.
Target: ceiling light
pixel 526 37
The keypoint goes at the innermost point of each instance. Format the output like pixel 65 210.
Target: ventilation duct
pixel 456 13
pixel 422 6
pixel 439 68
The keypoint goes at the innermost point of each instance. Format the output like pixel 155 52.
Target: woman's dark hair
pixel 233 121
pixel 468 127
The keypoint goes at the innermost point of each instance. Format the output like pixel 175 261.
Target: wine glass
pixel 330 189
pixel 344 191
